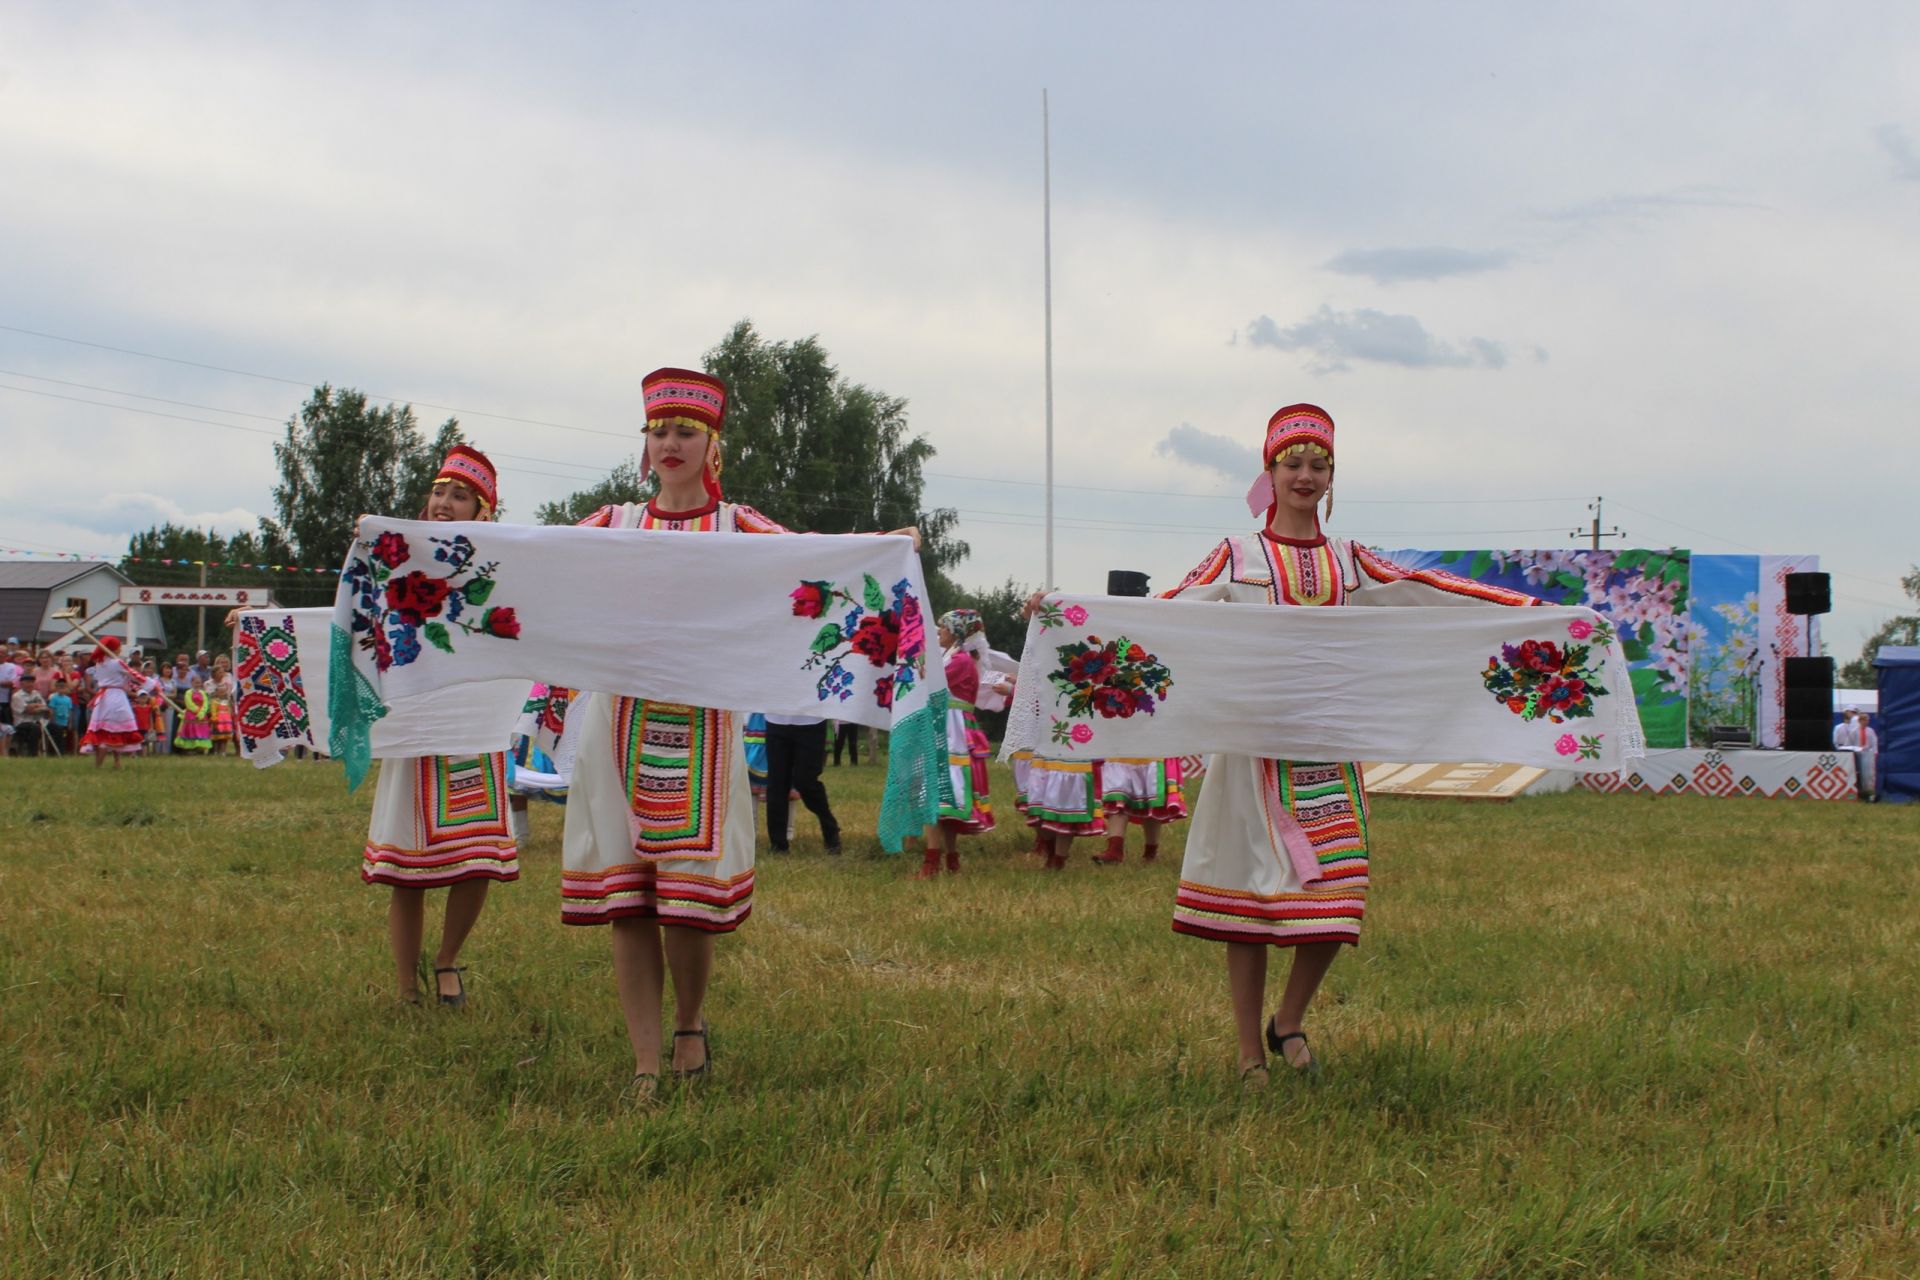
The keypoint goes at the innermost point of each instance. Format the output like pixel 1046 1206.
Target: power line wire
pixel 1225 497
pixel 300 382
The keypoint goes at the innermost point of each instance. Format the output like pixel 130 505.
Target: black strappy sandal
pixel 1278 1043
pixel 706 1061
pixel 459 999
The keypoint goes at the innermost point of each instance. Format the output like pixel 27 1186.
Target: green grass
pixel 1586 1035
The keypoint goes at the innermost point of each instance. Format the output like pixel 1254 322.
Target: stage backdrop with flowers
pixel 1704 633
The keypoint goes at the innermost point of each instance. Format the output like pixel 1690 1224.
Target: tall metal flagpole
pixel 1046 206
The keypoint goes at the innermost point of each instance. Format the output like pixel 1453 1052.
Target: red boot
pixel 1116 852
pixel 1152 852
pixel 930 867
pixel 1056 861
pixel 953 862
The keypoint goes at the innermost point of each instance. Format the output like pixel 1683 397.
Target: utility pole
pixel 200 642
pixel 1046 217
pixel 1596 532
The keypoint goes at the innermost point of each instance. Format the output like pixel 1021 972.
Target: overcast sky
pixel 1525 254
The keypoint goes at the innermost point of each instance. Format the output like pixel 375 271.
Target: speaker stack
pixel 1126 582
pixel 1809 681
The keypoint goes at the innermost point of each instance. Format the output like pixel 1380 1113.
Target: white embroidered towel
pixel 1109 676
pixel 802 624
pixel 281 701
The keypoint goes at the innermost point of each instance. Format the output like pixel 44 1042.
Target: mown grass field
pixel 1586 1036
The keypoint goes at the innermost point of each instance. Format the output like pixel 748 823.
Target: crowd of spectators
pixel 184 706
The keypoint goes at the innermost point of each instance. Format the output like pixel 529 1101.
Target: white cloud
pixel 1337 338
pixel 1432 262
pixel 1898 145
pixel 1225 455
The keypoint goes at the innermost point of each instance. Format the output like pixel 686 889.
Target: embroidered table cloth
pixel 1108 677
pixel 805 624
pixel 281 701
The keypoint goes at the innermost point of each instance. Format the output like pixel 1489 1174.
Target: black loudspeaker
pixel 1810 673
pixel 1809 704
pixel 1808 594
pixel 1810 735
pixel 1809 699
pixel 1125 582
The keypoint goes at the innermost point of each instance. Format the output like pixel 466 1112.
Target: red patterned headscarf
pixel 684 397
pixel 1297 424
pixel 475 470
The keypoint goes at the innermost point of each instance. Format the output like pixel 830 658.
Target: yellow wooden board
pixel 1466 780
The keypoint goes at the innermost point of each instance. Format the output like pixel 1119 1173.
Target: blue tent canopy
pixel 1898 670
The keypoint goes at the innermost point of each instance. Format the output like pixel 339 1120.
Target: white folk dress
pixel 439 820
pixel 1238 883
pixel 111 726
pixel 660 821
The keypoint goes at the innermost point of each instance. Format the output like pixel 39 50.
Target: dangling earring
pixel 1329 502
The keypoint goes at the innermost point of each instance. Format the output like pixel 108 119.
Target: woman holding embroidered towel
pixel 659 837
pixel 1238 884
pixel 441 822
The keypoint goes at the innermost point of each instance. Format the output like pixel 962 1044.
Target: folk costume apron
pixel 660 822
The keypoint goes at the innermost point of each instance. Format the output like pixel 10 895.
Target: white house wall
pixel 100 587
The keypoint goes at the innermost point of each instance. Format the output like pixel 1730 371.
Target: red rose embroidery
pixel 416 597
pixel 809 600
pixel 878 639
pixel 390 549
pixel 503 623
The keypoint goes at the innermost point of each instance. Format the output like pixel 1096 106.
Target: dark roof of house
pixel 44 575
pixel 24 586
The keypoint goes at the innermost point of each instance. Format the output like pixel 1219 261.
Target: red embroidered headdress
pixel 472 468
pixel 683 397
pixel 1296 424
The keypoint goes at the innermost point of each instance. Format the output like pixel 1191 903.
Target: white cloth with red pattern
pixel 1111 677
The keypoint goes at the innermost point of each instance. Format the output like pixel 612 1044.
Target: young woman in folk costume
pixel 659 837
pixel 1238 884
pixel 111 727
pixel 1143 793
pixel 195 731
pixel 442 821
pixel 221 690
pixel 963 634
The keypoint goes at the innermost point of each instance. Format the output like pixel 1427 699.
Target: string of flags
pixel 230 564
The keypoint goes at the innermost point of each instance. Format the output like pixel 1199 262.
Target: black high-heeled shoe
pixel 706 1060
pixel 1278 1043
pixel 459 999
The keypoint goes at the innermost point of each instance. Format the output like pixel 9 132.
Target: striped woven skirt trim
pixel 1144 790
pixel 645 891
pixel 1283 920
pixel 446 863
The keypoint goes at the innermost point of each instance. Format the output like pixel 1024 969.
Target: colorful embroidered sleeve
pixel 601 519
pixel 747 520
pixel 1209 579
pixel 1381 581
